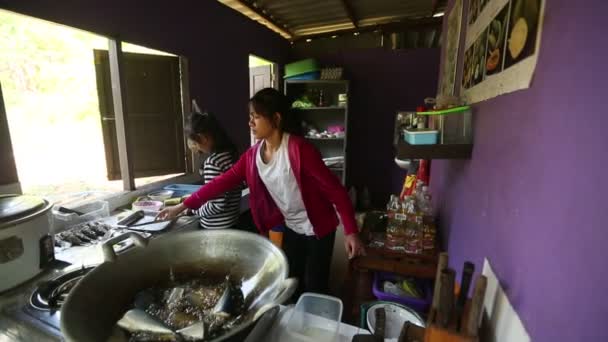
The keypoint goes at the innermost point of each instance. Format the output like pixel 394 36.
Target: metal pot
pixel 25 244
pixel 100 299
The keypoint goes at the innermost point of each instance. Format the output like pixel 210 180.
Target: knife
pixel 442 264
pixel 476 306
pixel 465 284
pixel 380 327
pixel 446 301
pixel 148 223
pixel 69 211
pixel 131 218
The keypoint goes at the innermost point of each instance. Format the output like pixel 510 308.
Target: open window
pixel 60 119
pixel 153 111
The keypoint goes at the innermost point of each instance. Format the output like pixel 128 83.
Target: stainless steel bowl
pixel 160 195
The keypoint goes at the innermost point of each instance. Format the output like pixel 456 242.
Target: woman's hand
pixel 354 246
pixel 170 212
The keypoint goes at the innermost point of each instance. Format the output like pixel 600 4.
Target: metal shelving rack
pixel 322 117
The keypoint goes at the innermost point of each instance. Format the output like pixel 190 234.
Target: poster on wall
pixel 448 77
pixel 501 47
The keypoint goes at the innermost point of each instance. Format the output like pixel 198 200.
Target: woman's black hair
pixel 207 124
pixel 269 101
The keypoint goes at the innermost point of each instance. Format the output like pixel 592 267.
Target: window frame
pixel 119 101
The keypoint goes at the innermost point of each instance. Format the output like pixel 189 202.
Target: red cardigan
pixel 321 190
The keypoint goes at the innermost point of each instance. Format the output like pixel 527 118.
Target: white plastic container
pixel 93 210
pixel 315 318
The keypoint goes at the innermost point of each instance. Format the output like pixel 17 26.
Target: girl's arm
pixel 218 205
pixel 232 178
pixel 229 180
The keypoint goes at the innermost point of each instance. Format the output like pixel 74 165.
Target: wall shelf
pixel 438 151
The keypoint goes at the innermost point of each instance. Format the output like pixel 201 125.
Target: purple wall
pixel 532 198
pixel 382 82
pixel 216 40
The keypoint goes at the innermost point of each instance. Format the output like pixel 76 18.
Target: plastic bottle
pixel 413 228
pixel 321 99
pixel 424 202
pixel 394 239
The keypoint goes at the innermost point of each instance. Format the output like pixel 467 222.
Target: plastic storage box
pixel 420 305
pixel 180 190
pixel 307 76
pixel 421 137
pixel 94 210
pixel 315 318
pixel 301 67
pixel 456 128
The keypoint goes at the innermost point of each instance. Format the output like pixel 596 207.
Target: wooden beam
pixel 119 101
pixel 8 169
pixel 348 8
pixel 186 110
pixel 258 11
pixel 434 5
pixel 388 27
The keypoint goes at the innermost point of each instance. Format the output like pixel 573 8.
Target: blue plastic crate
pixel 421 137
pixel 180 190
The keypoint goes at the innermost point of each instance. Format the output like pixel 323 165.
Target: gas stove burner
pixel 50 295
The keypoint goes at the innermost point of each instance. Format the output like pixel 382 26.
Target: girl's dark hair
pixel 207 124
pixel 269 101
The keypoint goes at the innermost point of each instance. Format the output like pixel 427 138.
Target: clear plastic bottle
pixel 424 202
pixel 413 230
pixel 394 229
pixel 429 229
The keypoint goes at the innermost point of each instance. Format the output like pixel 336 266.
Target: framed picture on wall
pixel 501 47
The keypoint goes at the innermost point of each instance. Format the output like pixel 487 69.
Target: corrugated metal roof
pixel 301 18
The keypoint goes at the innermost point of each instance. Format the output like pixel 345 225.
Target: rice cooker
pixel 26 246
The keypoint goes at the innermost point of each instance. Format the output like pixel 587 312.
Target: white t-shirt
pixel 281 183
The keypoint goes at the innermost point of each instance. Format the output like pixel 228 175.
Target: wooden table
pixel 359 280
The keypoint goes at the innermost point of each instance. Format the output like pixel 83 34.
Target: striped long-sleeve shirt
pixel 223 211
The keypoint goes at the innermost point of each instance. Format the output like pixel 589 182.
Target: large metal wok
pixel 99 300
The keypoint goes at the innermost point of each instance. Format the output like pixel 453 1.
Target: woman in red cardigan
pixel 289 185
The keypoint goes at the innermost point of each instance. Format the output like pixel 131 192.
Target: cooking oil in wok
pixel 194 305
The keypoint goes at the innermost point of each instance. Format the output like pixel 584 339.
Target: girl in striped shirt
pixel 206 135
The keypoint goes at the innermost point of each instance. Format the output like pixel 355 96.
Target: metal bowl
pixel 160 195
pixel 100 299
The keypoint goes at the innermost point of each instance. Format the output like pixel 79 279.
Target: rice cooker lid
pixel 15 207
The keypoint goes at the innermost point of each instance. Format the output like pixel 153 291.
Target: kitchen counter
pixel 15 322
pixel 92 255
